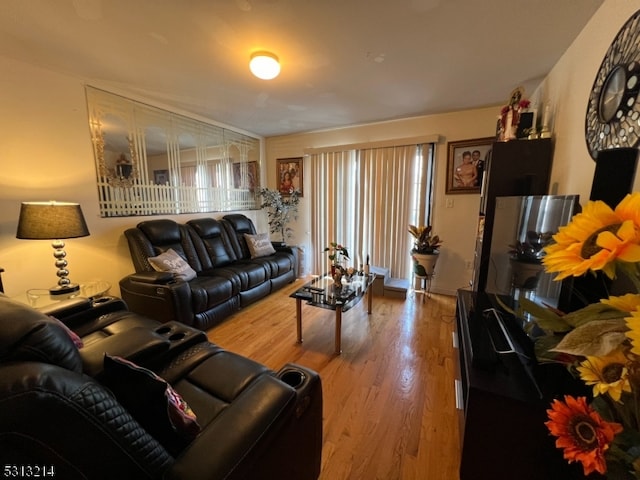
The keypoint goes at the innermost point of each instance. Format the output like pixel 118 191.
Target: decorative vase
pixel 337 276
pixel 525 275
pixel 424 264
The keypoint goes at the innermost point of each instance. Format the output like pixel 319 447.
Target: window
pixel 366 198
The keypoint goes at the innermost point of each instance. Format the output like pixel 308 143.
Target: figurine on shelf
pixel 510 115
pixel 546 131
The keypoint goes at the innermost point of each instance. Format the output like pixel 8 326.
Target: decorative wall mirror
pixel 151 161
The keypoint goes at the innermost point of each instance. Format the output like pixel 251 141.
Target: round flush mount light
pixel 264 65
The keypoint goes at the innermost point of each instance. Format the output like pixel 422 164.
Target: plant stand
pixel 423 272
pixel 422 285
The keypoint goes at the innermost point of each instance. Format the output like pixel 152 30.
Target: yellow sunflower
pixel 629 302
pixel 581 432
pixel 633 334
pixel 607 374
pixel 595 238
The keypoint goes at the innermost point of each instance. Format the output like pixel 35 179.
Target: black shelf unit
pixel 502 392
pixel 504 398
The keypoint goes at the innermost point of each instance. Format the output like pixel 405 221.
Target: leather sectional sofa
pixel 227 276
pixel 66 413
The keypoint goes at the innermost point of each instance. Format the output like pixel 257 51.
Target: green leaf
pixel 593 311
pixel 545 353
pixel 547 320
pixel 596 338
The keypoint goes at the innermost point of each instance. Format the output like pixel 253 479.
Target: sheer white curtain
pixel 365 199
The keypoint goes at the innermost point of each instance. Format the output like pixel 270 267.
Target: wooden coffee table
pixel 322 293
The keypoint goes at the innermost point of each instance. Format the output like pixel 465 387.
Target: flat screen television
pixel 523 226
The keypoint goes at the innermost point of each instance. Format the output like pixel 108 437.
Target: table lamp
pixel 53 221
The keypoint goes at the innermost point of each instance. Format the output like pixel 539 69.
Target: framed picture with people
pixel 161 177
pixel 245 175
pixel 466 160
pixel 289 175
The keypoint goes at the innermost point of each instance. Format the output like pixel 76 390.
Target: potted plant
pixel 425 250
pixel 337 254
pixel 280 211
pixel 526 259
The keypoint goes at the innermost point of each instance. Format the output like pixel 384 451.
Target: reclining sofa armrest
pixel 76 312
pixel 152 277
pixel 162 302
pixel 68 307
pixel 250 426
pixel 280 247
pixel 139 345
pixel 291 250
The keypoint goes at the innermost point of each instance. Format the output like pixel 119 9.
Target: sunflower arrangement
pixel 600 343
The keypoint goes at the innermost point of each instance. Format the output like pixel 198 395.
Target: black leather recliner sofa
pixel 228 278
pixel 60 417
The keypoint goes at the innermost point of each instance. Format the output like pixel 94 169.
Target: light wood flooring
pixel 389 404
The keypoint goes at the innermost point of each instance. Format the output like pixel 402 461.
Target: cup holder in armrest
pixel 180 335
pixel 296 376
pixel 293 378
pixel 306 383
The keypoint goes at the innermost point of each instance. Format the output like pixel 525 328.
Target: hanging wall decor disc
pixel 613 111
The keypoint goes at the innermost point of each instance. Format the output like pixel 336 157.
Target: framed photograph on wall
pixel 465 164
pixel 161 177
pixel 289 171
pixel 245 175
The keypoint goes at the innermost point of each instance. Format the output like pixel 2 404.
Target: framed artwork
pixel 289 171
pixel 161 177
pixel 245 175
pixel 465 164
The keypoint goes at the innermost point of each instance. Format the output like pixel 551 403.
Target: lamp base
pixel 64 290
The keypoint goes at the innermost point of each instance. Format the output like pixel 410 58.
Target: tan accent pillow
pixel 170 261
pixel 259 245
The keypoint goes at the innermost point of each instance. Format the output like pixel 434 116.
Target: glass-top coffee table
pixel 322 293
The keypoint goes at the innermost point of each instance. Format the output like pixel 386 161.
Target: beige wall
pixel 46 154
pixel 455 225
pixel 566 88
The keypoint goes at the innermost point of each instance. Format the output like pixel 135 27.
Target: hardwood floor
pixel 389 403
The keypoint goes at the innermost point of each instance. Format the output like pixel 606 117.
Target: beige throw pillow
pixel 259 245
pixel 170 261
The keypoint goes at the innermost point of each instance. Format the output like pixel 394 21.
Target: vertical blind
pixel 365 199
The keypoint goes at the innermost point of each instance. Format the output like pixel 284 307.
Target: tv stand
pixel 505 395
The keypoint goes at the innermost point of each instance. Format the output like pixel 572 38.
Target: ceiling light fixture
pixel 264 65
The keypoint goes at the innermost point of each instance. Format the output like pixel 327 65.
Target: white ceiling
pixel 344 62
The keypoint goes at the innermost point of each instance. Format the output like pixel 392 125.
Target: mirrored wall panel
pixel 150 161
